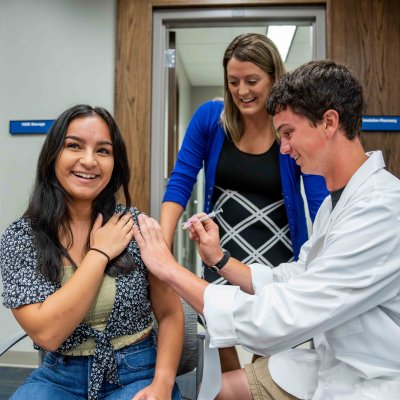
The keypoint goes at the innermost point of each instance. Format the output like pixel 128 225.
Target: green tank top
pixel 98 315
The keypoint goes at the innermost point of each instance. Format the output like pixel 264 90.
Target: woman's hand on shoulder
pixel 114 236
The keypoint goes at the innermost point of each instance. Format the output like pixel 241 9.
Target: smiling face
pixel 85 163
pixel 249 86
pixel 301 140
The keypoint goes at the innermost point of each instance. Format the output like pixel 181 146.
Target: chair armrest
pixel 11 341
pixel 201 337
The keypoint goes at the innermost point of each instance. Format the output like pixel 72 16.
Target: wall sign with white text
pixel 36 126
pixel 380 123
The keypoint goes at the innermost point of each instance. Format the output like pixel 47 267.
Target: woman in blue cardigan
pixel 257 187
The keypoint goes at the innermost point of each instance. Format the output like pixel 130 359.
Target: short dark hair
pixel 317 86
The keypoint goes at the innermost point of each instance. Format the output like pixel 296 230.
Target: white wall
pixel 53 54
pixel 201 94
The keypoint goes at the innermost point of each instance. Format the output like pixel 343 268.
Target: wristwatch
pixel 221 263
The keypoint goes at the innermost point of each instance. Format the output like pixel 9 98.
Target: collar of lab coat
pixel 374 163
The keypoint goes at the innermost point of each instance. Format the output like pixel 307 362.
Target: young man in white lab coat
pixel 343 291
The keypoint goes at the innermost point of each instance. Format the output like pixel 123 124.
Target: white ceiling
pixel 201 50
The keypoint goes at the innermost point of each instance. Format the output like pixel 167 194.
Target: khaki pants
pixel 261 384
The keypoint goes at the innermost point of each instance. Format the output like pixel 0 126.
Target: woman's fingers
pixel 123 223
pixel 124 219
pixel 115 235
pixel 128 225
pixel 114 219
pixel 98 222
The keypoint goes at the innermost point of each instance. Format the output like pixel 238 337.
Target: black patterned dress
pixel 253 226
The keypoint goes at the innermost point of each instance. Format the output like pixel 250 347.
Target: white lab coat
pixel 343 292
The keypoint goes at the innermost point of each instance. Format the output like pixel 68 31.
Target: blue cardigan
pixel 203 143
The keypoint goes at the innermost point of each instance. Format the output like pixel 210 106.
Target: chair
pixel 191 358
pixel 11 341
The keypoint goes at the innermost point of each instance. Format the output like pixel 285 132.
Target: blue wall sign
pixel 31 126
pixel 380 123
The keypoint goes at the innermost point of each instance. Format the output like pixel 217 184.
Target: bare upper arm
pixel 164 299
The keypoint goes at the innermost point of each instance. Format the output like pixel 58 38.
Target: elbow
pixel 48 345
pixel 49 348
pixel 174 316
pixel 47 342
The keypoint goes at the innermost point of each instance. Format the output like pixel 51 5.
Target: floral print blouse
pixel 23 285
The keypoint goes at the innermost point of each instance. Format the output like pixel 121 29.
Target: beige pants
pixel 261 384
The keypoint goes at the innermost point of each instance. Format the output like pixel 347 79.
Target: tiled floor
pixel 10 379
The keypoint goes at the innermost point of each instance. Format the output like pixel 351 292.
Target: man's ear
pixel 330 122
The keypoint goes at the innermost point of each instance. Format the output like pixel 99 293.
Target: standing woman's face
pixel 249 86
pixel 86 161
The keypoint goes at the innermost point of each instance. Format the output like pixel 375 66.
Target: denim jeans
pixel 67 377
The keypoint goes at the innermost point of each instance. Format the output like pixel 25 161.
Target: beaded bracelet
pixel 101 252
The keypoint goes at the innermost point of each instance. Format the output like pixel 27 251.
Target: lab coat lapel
pixel 371 165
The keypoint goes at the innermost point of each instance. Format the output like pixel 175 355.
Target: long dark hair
pixel 47 209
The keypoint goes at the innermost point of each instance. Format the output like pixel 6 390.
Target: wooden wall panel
pixel 363 34
pixel 366 36
pixel 132 93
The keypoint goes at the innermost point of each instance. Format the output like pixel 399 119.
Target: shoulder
pixel 211 110
pixel 18 260
pixel 18 233
pixel 119 208
pixel 382 189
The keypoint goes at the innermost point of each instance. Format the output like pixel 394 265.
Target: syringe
pixel 212 214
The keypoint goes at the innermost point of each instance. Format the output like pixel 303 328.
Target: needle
pixel 212 214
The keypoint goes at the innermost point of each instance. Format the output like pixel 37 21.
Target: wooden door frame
pixel 133 77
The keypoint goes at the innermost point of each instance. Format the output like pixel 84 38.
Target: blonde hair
pixel 262 52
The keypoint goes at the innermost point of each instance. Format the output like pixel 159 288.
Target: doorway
pixel 190 73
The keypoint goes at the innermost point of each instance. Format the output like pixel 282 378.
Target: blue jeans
pixel 67 377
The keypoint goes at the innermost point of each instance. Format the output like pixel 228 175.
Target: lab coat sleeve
pixel 262 275
pixel 353 268
pixel 219 301
pixel 218 304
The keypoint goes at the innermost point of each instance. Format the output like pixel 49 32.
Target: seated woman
pixel 74 279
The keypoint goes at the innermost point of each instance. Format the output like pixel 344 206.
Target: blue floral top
pixel 23 285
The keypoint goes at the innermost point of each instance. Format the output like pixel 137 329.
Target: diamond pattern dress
pixel 253 226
